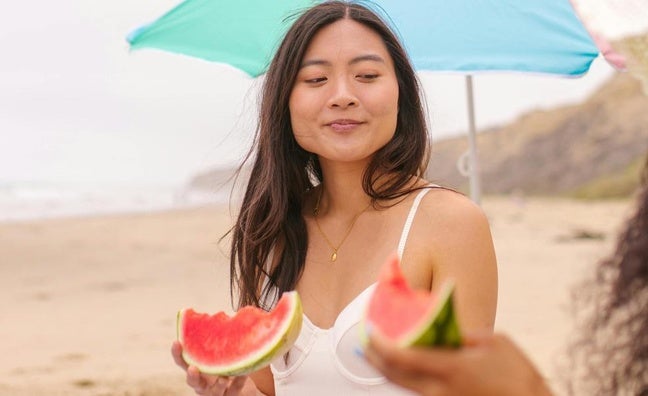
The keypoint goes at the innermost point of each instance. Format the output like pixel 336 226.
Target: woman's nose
pixel 342 96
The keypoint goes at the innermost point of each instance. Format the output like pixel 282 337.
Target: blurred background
pixel 89 128
pixel 86 125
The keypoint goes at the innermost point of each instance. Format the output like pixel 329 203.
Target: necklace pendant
pixel 334 256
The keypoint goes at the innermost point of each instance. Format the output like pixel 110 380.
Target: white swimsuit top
pixel 327 361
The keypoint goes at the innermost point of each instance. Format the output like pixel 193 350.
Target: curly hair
pixel 611 355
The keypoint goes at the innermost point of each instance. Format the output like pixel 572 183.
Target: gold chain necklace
pixel 346 234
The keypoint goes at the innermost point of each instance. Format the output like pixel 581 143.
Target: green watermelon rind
pixel 441 328
pixel 263 356
pixel 438 328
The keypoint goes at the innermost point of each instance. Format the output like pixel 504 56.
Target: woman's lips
pixel 343 125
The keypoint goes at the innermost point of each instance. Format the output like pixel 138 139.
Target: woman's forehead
pixel 346 41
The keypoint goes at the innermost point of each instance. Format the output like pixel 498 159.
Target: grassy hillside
pixel 591 150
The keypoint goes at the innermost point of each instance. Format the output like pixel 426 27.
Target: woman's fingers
pixel 236 386
pixel 208 385
pixel 176 352
pixel 423 370
pixel 195 379
pixel 387 356
pixel 211 385
pixel 404 375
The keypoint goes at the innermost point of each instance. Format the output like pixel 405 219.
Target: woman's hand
pixel 212 385
pixel 485 365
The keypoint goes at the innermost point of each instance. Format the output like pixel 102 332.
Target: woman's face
pixel 344 104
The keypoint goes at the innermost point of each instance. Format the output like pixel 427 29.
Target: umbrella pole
pixel 475 188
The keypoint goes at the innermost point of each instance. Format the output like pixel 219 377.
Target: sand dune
pixel 89 304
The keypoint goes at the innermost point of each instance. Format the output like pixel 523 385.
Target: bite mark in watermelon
pixel 411 317
pixel 249 340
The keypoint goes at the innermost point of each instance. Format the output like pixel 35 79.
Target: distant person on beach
pixel 610 357
pixel 335 188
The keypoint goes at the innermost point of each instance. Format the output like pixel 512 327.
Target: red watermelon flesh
pixel 411 317
pixel 235 345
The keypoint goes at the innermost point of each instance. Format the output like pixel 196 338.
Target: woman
pixel 335 188
pixel 610 358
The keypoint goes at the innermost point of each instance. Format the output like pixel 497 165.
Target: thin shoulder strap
pixel 410 218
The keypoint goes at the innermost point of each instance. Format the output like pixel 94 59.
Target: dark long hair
pixel 270 222
pixel 611 355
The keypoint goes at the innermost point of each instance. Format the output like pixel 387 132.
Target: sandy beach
pixel 89 303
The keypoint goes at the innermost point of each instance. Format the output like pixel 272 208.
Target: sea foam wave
pixel 33 201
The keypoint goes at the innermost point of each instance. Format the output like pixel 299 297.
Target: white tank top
pixel 327 361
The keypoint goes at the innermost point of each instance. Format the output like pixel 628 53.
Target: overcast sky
pixel 77 106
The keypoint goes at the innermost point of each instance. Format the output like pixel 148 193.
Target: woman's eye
pixel 315 80
pixel 367 76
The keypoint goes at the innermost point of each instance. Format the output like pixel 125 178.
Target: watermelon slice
pixel 411 317
pixel 222 345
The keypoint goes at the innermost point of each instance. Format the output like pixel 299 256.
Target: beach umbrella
pixel 465 36
pixel 240 33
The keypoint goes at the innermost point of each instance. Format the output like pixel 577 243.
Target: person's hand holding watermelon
pixel 224 354
pixel 485 365
pixel 212 385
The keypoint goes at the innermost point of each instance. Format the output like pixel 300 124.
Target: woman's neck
pixel 341 191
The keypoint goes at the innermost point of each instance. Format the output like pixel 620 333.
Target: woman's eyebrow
pixel 368 57
pixel 357 59
pixel 314 62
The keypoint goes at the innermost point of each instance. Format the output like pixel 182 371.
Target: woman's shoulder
pixel 451 238
pixel 447 209
pixel 453 233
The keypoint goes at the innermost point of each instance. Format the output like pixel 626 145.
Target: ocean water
pixel 33 201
